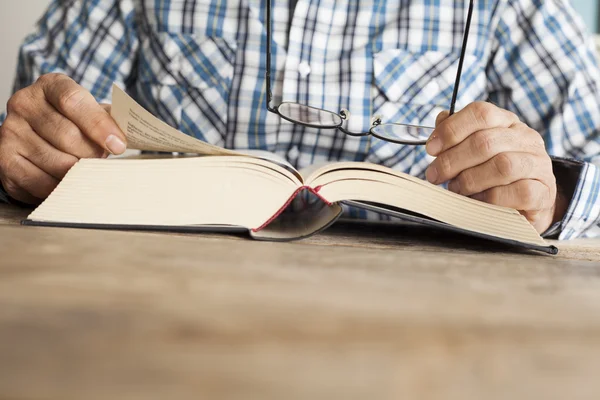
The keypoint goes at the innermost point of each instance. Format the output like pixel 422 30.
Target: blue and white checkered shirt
pixel 200 66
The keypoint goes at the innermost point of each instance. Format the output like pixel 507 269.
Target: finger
pixel 17 193
pixel 28 110
pixel 525 195
pixel 80 107
pixel 44 156
pixel 501 170
pixel 540 219
pixel 23 175
pixel 441 117
pixel 481 147
pixel 61 133
pixel 475 117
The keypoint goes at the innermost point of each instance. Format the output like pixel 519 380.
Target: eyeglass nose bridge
pixel 345 114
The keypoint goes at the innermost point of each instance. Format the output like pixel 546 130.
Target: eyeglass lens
pixel 407 134
pixel 307 115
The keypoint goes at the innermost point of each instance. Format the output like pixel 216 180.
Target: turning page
pixel 146 132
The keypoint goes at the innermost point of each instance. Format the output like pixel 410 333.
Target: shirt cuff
pixel 583 212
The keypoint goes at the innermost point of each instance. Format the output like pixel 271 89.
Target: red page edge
pixel 314 191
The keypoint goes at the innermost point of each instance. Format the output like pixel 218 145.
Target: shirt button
pixel 304 69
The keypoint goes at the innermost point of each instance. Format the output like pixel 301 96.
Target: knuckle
pixel 529 195
pixel 504 165
pixel 71 98
pixel 19 102
pixel 484 112
pixel 444 165
pixel 44 157
pixel 48 79
pixel 528 164
pixel 514 119
pixel 441 117
pixel 11 188
pixel 524 129
pixel 451 136
pixel 70 137
pixel 467 182
pixel 483 143
pixel 100 122
pixel 7 132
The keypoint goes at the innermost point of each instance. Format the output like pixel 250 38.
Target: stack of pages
pixel 219 189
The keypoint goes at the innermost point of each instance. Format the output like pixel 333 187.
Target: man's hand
pixel 486 153
pixel 49 126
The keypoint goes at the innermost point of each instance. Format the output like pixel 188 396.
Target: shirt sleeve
pixel 93 42
pixel 544 69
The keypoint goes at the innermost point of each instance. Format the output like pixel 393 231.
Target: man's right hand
pixel 49 126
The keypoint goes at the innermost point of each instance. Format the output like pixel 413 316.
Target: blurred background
pixel 17 19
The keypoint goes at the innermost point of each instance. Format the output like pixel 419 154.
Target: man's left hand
pixel 488 154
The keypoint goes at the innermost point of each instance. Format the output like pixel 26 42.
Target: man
pixel 530 88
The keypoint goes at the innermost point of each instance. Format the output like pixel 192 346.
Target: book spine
pixel 314 191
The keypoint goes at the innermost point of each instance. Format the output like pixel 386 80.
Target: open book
pixel 219 189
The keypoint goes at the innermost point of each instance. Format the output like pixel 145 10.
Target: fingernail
pixel 454 186
pixel 431 174
pixel 434 145
pixel 115 145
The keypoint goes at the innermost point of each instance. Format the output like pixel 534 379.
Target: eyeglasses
pixel 318 118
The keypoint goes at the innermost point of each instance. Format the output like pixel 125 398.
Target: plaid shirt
pixel 200 66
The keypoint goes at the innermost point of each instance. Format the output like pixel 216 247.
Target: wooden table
pixel 365 311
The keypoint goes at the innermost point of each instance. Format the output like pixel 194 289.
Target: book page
pixel 146 132
pixel 372 183
pixel 272 157
pixel 186 191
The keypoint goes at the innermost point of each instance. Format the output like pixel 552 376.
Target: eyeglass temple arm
pixel 458 74
pixel 462 58
pixel 268 74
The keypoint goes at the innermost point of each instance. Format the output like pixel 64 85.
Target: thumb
pixel 441 117
pixel 80 107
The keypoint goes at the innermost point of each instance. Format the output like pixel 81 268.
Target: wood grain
pixel 366 311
